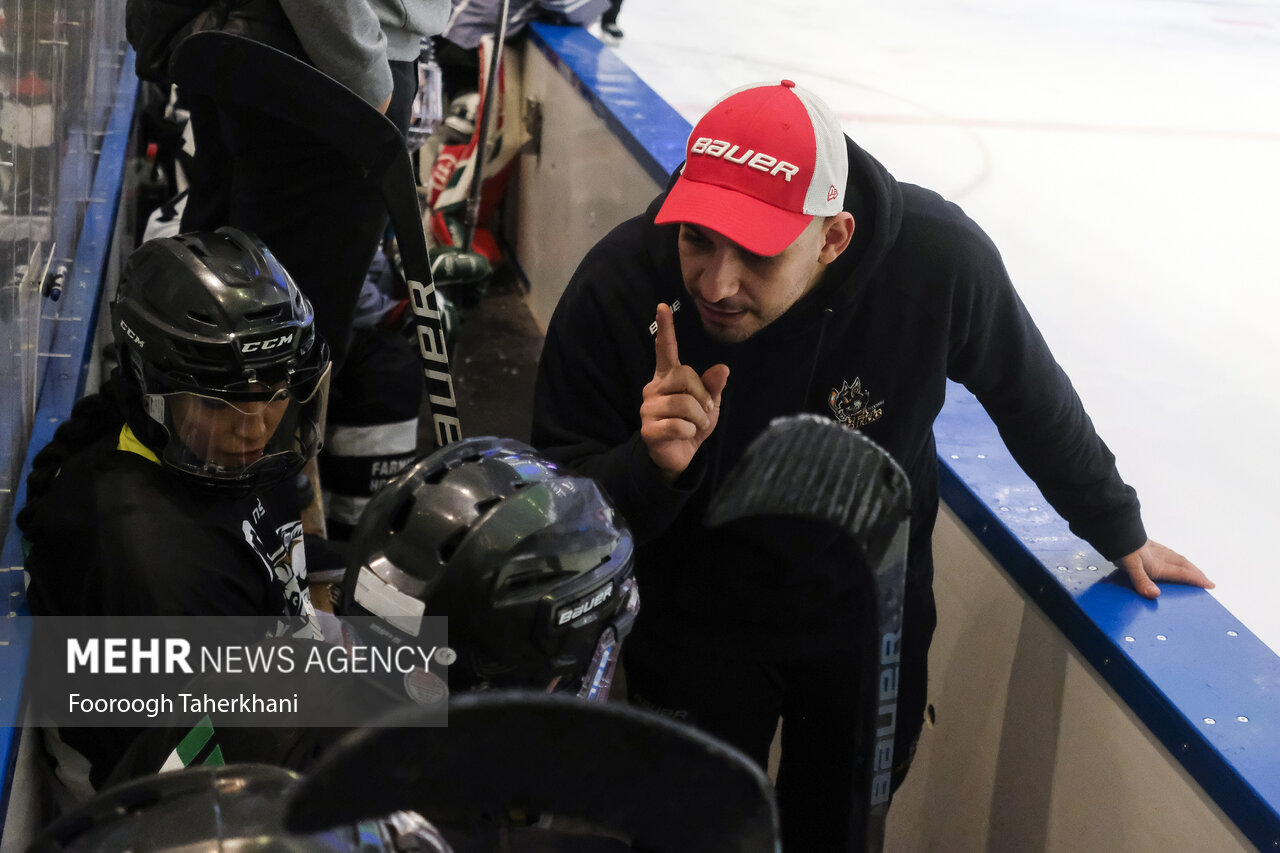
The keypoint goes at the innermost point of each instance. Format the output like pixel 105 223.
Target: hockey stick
pixel 666 786
pixel 809 468
pixel 471 219
pixel 240 72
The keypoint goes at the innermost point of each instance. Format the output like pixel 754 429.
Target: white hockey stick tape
pixel 401 611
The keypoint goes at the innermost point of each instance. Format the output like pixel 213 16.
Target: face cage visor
pixel 251 437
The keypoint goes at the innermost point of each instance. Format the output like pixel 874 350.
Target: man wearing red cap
pixel 797 275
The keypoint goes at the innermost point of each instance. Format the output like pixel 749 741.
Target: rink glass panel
pixel 59 65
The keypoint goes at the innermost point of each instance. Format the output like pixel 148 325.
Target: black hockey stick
pixel 664 785
pixel 811 469
pixel 480 154
pixel 238 71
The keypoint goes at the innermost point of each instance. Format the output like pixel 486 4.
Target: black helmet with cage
pixel 529 563
pixel 225 376
pixel 236 807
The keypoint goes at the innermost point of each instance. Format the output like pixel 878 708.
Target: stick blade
pixel 665 785
pixel 237 71
pixel 233 69
pixel 809 467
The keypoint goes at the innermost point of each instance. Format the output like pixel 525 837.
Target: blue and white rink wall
pixel 1068 714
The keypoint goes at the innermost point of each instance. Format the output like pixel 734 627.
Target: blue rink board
pixel 1204 684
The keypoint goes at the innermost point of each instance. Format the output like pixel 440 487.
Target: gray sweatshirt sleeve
pixel 405 22
pixel 344 40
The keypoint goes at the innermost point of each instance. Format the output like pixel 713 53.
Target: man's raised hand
pixel 680 408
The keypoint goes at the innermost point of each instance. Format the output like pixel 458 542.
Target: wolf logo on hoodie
pixel 849 404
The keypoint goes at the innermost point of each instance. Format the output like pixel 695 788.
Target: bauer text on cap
pixel 761 163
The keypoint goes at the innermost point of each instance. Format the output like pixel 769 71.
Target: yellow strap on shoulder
pixel 130 444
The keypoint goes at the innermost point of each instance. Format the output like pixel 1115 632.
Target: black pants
pixel 404 88
pixel 372 428
pixel 740 701
pixel 320 214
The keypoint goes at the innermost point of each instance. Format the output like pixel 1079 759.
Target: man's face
pixel 738 293
pixel 226 434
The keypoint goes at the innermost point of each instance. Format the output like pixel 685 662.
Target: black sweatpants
pixel 740 701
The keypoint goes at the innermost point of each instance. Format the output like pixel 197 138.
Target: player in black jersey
pixel 170 492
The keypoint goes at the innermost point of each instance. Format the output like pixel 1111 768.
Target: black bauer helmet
pixel 226 377
pixel 530 565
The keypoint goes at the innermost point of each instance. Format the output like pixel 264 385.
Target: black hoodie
pixel 920 296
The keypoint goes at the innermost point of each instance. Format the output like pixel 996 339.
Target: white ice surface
pixel 1125 157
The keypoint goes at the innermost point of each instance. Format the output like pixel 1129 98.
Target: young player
pixel 170 492
pixel 529 563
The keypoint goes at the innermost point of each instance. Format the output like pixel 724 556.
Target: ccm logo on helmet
pixel 586 605
pixel 133 336
pixel 752 159
pixel 269 343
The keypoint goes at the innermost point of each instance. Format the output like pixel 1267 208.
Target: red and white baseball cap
pixel 761 163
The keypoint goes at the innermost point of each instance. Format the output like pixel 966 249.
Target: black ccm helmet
pixel 225 377
pixel 529 564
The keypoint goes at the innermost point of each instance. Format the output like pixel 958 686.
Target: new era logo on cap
pixel 761 163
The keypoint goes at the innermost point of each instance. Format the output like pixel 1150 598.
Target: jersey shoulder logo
pixel 851 405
